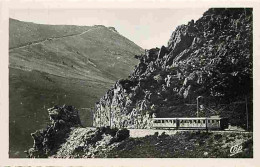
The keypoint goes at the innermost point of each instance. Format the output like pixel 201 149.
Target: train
pixel 196 123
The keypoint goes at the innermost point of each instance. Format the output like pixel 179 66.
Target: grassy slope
pixel 74 70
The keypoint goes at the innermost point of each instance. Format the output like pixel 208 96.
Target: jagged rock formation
pixel 211 57
pixel 47 141
pixel 65 137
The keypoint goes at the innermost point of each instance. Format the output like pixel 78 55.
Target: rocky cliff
pixel 210 57
pixel 65 137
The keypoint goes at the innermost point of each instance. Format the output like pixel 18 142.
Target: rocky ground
pixel 65 137
pixel 184 145
pixel 84 143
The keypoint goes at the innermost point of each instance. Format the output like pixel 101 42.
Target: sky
pixel 147 28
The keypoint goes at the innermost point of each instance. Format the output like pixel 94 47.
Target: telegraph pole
pixel 110 121
pixel 198 107
pixel 246 115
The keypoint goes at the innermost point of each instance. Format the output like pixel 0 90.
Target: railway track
pixel 135 133
pixel 144 132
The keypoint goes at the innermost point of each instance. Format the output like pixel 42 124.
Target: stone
pixel 122 134
pixel 162 52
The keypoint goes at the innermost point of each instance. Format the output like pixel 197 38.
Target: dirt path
pixel 50 39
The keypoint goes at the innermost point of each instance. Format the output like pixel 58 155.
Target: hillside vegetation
pixel 61 64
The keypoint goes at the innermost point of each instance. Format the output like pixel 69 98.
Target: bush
pixel 217 136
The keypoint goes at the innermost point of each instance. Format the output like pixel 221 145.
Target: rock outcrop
pixel 47 141
pixel 211 57
pixel 66 138
pixel 89 143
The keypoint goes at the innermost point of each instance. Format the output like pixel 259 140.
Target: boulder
pixel 122 134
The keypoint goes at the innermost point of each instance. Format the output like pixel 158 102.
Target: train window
pixel 174 121
pixel 204 121
pixel 162 121
pixel 195 121
pixel 208 121
pixel 198 121
pixel 190 121
pixel 213 121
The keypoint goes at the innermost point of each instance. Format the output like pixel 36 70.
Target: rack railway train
pixel 207 123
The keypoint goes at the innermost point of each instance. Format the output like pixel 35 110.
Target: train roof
pixel 191 118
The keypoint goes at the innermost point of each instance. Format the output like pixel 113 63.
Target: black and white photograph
pixel 112 83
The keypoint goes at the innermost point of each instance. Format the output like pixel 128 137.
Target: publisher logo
pixel 236 149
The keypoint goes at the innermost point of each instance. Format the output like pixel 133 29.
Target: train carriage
pixel 212 123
